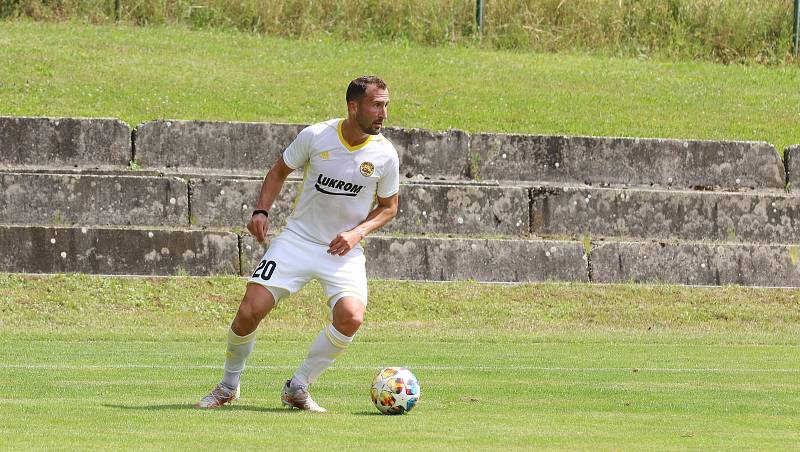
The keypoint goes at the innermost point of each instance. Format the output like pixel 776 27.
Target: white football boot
pixel 219 396
pixel 299 398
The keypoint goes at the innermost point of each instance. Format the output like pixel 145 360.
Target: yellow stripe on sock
pixel 336 343
pixel 235 339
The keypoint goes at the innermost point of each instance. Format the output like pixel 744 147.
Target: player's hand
pixel 344 242
pixel 258 226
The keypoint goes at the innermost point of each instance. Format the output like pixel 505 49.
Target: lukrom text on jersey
pixel 350 189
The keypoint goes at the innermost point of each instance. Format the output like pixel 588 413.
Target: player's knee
pixel 355 321
pixel 348 322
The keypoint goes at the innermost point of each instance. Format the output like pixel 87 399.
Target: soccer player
pixel 350 188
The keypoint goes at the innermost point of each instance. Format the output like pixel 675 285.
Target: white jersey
pixel 340 181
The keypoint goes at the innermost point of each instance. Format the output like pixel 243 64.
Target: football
pixel 395 390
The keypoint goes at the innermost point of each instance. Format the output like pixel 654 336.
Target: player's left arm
pixel 384 211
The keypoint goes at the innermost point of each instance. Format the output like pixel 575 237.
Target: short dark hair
pixel 357 88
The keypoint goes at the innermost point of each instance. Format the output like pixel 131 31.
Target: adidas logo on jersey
pixel 347 188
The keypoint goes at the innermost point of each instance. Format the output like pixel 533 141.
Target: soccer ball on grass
pixel 395 390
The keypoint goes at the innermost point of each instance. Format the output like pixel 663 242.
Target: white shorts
pixel 291 262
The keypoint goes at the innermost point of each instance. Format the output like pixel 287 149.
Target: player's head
pixel 367 102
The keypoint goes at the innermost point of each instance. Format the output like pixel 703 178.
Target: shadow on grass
pixel 367 413
pixel 190 406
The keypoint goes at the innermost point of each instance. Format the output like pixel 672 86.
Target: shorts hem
pixel 341 294
pixel 272 289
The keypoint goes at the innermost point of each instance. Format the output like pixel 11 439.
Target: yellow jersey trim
pixel 344 142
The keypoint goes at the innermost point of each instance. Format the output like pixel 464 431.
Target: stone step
pixel 220 202
pixel 36 249
pixel 448 259
pixel 240 147
pixel 70 199
pixel 117 251
pixel 696 264
pixel 251 148
pixel 445 209
pixel 231 146
pixel 554 211
pixel 757 217
pixel 487 260
pixel 63 143
pixel 158 251
pixel 425 208
pixel 691 164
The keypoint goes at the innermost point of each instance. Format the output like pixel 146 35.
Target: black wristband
pixel 256 212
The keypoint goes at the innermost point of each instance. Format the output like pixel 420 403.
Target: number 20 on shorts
pixel 266 268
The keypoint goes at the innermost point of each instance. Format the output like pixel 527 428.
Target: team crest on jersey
pixel 367 169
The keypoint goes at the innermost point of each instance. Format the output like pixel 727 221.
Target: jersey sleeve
pixel 389 183
pixel 297 153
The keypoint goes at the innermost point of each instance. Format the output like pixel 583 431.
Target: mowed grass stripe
pixel 416 354
pixel 422 367
pixel 70 383
pixel 620 367
pixel 467 409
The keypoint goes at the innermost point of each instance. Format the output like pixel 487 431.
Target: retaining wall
pixel 491 207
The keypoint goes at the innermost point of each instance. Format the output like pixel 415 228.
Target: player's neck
pixel 352 134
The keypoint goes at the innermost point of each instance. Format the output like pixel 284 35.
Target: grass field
pixel 111 363
pixel 139 74
pixel 98 362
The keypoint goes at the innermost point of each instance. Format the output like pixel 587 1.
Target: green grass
pixel 99 362
pixel 752 31
pixel 139 74
pixel 109 363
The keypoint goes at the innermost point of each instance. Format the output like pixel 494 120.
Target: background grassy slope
pixel 139 74
pixel 718 30
pixel 100 362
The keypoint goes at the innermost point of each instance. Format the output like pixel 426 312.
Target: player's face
pixel 371 110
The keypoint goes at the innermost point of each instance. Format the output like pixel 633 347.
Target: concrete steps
pixel 86 195
pixel 160 251
pixel 522 210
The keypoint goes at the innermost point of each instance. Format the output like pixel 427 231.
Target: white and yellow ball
pixel 395 390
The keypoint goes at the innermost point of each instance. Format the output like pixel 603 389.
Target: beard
pixel 369 127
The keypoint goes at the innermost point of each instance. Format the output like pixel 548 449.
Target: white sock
pixel 239 348
pixel 329 344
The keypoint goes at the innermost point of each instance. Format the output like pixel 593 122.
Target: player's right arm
pixel 273 182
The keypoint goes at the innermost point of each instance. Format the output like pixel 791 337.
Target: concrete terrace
pixel 95 196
